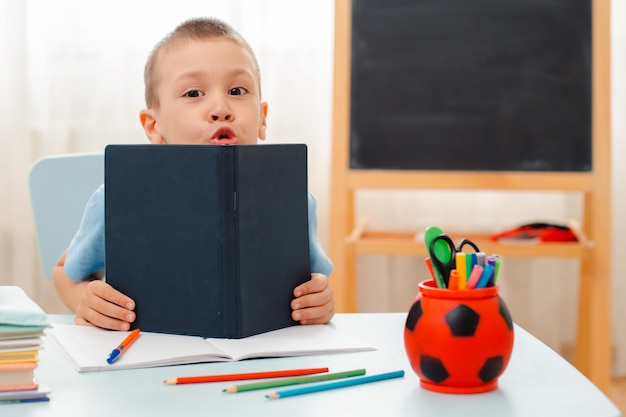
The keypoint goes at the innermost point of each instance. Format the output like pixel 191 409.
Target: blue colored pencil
pixel 333 385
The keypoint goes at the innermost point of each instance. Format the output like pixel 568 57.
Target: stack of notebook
pixel 22 325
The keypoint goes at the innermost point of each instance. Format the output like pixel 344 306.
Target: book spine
pixel 230 249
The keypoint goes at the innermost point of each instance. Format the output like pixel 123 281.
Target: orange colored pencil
pixel 238 377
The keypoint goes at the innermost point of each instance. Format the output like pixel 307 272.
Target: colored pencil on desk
pixel 243 376
pixel 293 381
pixel 334 385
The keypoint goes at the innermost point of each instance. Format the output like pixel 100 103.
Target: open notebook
pixel 87 348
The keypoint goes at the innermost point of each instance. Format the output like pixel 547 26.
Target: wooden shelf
pixel 408 243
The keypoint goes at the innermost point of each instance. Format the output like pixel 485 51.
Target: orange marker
pixel 453 282
pixel 117 352
pixel 429 264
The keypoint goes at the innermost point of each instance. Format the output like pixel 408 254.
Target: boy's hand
pixel 314 302
pixel 103 306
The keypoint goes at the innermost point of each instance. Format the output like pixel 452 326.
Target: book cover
pixel 37 390
pixel 19 314
pixel 208 240
pixel 16 374
pixel 87 348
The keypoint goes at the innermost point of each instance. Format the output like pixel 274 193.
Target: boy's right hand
pixel 101 305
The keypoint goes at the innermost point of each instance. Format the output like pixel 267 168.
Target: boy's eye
pixel 194 93
pixel 237 91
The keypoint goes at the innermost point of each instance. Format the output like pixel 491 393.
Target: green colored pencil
pixel 293 381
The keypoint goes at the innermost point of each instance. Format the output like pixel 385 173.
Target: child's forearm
pixel 69 291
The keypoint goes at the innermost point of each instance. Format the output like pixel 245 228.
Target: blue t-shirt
pixel 85 255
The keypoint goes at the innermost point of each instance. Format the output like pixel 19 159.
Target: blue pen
pixel 486 276
pixel 332 385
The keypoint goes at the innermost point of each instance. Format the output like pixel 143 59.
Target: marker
pixel 485 277
pixel 470 261
pixel 461 267
pixel 117 352
pixel 480 259
pixel 474 276
pixel 497 269
pixel 453 282
pixel 429 265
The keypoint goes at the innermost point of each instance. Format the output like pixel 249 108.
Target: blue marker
pixel 485 277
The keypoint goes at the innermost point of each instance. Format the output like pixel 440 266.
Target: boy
pixel 202 87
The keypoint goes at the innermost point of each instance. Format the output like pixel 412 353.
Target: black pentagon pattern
pixel 462 321
pixel 506 315
pixel 433 369
pixel 414 315
pixel 491 369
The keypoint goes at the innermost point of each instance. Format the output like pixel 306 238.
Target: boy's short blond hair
pixel 196 29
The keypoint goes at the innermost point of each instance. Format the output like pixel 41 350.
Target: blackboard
pixel 477 85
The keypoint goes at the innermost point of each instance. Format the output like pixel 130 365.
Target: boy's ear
pixel 263 121
pixel 148 122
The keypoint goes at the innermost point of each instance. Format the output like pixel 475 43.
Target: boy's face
pixel 208 94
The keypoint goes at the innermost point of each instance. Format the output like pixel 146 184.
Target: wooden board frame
pixel 593 339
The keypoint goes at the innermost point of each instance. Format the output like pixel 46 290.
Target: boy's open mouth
pixel 224 136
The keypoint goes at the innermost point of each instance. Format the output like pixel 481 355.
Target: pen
pixel 117 352
pixel 333 385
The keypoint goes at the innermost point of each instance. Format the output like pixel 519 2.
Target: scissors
pixel 445 259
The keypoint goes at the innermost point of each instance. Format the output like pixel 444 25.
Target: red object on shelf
pixel 544 232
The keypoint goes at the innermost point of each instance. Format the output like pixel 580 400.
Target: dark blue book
pixel 208 240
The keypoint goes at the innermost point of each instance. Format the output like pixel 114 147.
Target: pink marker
pixel 474 276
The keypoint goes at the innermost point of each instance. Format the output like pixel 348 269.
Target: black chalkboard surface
pixel 477 85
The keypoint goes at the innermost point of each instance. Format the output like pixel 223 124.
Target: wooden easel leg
pixel 593 340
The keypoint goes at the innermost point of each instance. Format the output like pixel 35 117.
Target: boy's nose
pixel 216 116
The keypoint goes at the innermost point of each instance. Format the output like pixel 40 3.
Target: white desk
pixel 537 382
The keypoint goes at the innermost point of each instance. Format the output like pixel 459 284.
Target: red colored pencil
pixel 238 377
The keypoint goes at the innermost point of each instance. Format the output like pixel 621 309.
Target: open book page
pixel 290 341
pixel 87 348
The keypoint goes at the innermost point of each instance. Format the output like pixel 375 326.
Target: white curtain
pixel 71 81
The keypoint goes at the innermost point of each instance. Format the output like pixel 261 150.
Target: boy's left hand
pixel 314 302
